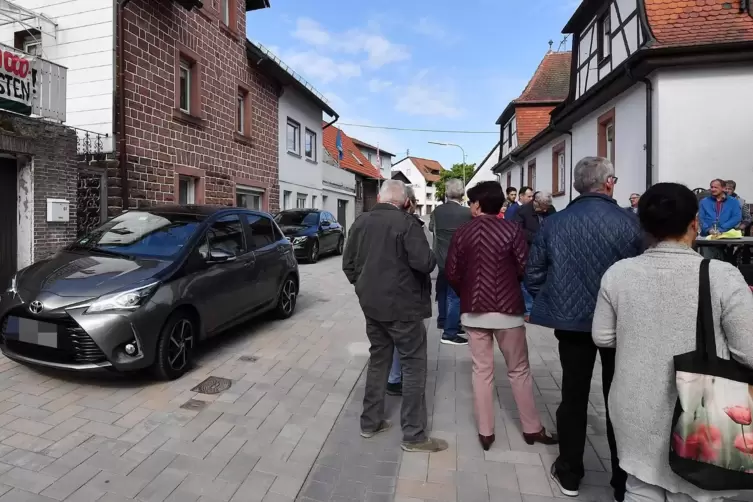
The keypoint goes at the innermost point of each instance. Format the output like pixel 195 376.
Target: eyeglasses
pixel 614 179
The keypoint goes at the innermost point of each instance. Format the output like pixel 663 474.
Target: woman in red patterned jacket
pixel 485 265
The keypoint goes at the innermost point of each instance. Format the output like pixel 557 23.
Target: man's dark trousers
pixel 578 356
pixel 441 298
pixel 409 338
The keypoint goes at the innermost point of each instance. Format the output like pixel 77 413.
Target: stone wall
pixel 163 141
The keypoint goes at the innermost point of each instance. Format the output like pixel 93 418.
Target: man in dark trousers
pixel 389 260
pixel 444 221
pixel 569 256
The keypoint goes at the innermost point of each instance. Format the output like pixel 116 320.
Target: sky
pixel 416 64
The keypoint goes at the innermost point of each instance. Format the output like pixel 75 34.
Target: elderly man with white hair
pixel 569 256
pixel 445 220
pixel 389 260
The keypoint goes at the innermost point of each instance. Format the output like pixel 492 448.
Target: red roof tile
pixel 531 120
pixel 698 22
pixel 551 82
pixel 353 160
pixel 430 169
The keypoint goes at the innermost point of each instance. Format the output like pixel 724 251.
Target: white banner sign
pixel 16 77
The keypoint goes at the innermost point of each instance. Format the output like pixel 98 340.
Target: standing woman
pixel 647 309
pixel 485 265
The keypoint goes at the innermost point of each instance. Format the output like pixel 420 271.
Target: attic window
pixel 605 36
pixel 354 156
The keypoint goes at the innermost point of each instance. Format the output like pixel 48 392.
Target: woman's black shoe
pixel 486 441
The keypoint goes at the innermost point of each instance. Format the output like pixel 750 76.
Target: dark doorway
pixel 8 219
pixel 342 206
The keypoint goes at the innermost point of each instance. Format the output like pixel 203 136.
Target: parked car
pixel 141 290
pixel 313 232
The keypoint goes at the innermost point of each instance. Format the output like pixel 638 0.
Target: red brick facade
pixel 163 141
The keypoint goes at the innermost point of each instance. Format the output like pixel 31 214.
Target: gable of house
pixel 431 170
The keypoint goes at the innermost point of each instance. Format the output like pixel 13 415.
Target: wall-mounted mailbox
pixel 57 210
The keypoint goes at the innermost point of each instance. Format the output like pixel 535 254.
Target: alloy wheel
pixel 289 294
pixel 181 341
pixel 314 251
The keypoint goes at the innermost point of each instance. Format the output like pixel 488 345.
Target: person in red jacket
pixel 485 265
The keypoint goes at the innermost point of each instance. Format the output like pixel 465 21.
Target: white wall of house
pixel 386 160
pixel 704 126
pixel 484 172
pixel 545 158
pixel 630 139
pixel 338 188
pixel 84 43
pixel 300 175
pixel 417 179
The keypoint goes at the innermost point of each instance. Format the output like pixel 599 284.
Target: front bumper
pixel 80 342
pixel 301 249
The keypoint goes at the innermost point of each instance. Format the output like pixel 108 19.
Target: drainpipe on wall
pixel 649 132
pixel 337 117
pixel 122 157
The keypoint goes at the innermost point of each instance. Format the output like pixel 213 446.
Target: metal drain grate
pixel 248 359
pixel 194 405
pixel 213 385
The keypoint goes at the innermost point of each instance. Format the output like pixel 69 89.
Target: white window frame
pixel 561 170
pixel 225 12
pixel 30 46
pixel 609 133
pixel 312 135
pixel 313 201
pixel 298 197
pixel 286 196
pixel 241 113
pixel 190 189
pixel 185 66
pixel 297 136
pixel 250 191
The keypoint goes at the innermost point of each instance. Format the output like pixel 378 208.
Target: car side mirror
pixel 220 256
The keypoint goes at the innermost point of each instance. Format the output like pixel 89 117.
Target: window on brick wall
pixel 250 198
pixel 187 85
pixel 187 190
pixel 225 12
pixel 310 146
pixel 558 169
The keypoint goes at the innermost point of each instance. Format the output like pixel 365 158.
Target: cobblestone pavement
pixel 109 438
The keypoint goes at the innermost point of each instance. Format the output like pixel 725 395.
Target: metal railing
pixel 291 71
pixel 92 145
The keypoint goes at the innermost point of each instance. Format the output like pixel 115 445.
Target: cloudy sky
pixel 418 64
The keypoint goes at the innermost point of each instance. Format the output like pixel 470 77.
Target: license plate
pixel 31 331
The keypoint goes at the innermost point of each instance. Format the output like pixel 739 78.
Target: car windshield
pixel 299 218
pixel 142 233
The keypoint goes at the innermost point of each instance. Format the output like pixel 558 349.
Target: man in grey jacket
pixel 389 260
pixel 445 220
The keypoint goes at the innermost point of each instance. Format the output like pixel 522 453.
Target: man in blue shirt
pixel 718 213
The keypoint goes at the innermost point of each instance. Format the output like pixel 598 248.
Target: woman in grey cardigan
pixel 647 309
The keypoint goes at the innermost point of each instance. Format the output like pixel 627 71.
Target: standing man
pixel 634 198
pixel 567 260
pixel 525 196
pixel 444 221
pixel 512 194
pixel 389 260
pixel 730 188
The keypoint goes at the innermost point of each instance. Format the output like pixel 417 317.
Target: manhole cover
pixel 194 405
pixel 248 359
pixel 213 385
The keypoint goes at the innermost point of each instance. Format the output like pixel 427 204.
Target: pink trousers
pixel 512 342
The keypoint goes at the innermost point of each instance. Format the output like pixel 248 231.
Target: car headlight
pixel 299 240
pixel 12 288
pixel 122 300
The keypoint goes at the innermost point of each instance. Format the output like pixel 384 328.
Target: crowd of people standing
pixel 620 283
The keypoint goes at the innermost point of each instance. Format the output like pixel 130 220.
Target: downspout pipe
pixel 337 117
pixel 122 157
pixel 649 132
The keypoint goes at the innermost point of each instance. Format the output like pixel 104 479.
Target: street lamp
pixel 461 149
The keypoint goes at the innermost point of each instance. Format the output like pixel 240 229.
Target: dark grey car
pixel 145 287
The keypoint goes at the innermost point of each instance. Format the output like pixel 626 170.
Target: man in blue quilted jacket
pixel 568 257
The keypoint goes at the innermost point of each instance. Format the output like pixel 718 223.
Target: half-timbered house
pixel 661 87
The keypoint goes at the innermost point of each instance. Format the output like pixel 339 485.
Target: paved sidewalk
pixel 107 438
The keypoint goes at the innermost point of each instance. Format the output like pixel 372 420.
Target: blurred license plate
pixel 31 331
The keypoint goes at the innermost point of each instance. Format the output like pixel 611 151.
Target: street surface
pixel 286 430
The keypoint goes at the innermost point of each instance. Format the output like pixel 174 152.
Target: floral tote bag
pixel 712 436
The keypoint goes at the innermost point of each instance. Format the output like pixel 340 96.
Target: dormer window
pixel 605 36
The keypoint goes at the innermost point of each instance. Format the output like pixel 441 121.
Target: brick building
pixel 200 120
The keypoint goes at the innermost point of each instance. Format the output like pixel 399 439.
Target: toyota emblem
pixel 36 307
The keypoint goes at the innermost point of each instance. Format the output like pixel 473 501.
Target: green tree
pixel 455 172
